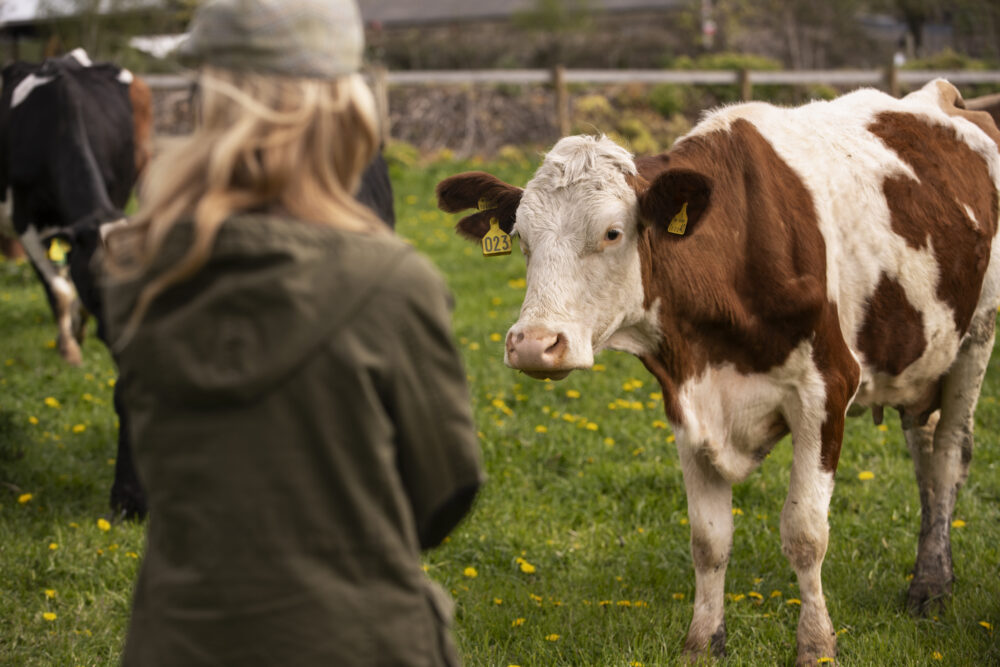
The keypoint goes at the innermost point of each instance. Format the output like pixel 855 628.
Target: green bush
pixel 668 98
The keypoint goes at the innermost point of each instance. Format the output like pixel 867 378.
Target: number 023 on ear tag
pixel 496 241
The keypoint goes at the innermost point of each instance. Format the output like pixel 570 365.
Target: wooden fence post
pixel 746 85
pixel 380 88
pixel 892 79
pixel 562 100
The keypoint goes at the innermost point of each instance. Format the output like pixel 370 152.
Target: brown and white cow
pixel 836 254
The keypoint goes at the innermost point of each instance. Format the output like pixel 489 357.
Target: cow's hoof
pixel 69 350
pixel 128 505
pixel 817 655
pixel 701 652
pixel 926 595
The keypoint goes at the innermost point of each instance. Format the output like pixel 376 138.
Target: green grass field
pixel 576 552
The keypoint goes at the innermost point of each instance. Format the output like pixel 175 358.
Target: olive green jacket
pixel 302 426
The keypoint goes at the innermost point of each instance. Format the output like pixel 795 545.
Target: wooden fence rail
pixel 890 79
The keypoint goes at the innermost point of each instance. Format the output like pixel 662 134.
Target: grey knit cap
pixel 321 39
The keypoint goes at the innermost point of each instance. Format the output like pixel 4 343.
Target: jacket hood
pixel 271 294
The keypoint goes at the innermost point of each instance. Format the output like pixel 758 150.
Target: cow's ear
pixel 676 200
pixel 491 197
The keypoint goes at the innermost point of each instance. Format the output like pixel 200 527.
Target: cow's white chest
pixel 733 419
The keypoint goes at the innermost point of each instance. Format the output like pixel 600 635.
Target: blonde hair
pixel 297 146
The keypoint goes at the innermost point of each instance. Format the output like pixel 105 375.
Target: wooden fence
pixel 890 79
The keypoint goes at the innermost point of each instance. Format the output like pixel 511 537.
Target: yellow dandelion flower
pixel 24 497
pixel 518 283
pixel 684 521
pixel 824 659
pixel 51 402
pixel 527 567
pixel 671 438
pixel 678 596
pixel 793 601
pixel 635 663
pixel 49 616
pixel 535 598
pixel 497 601
pixel 736 597
pixel 111 382
pixel 775 594
pixel 757 580
pixel 737 511
pixel 495 337
pixel 958 523
pixel 598 367
pixel 132 554
pixel 79 428
pixel 517 622
pixel 986 625
pixel 473 346
pixel 33 420
pixel 624 603
pixel 572 393
pixel 50 344
pixel 103 525
pixel 50 593
pixel 426 567
pixel 541 429
pixel 591 426
pixel 755 595
pixel 842 631
pixel 866 475
pixel 496 301
pixel 659 423
pixel 53 546
pixel 937 655
pixel 470 572
pixel 610 442
pixel 552 638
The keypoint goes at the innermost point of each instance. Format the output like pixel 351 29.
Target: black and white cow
pixel 74 136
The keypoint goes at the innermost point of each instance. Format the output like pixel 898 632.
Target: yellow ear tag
pixel 680 221
pixel 496 241
pixel 57 251
pixel 485 204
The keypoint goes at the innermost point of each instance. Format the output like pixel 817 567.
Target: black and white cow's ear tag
pixel 680 222
pixel 496 241
pixel 58 249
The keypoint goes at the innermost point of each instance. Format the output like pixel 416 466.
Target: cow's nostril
pixel 557 347
pixel 520 338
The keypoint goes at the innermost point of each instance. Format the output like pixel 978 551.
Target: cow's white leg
pixel 941 452
pixel 710 512
pixel 804 537
pixel 62 291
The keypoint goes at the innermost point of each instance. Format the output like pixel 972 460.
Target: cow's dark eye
pixel 612 235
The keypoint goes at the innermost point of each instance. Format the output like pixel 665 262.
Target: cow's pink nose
pixel 536 350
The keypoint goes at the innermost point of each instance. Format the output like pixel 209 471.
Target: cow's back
pixel 905 195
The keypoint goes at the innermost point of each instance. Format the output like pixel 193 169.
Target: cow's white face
pixel 579 229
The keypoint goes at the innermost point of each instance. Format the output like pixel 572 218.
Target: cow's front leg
pixel 941 452
pixel 710 505
pixel 804 537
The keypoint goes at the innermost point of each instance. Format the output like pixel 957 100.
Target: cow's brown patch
pixel 746 286
pixel 892 336
pixel 477 189
pixel 932 209
pixel 141 99
pixel 841 375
